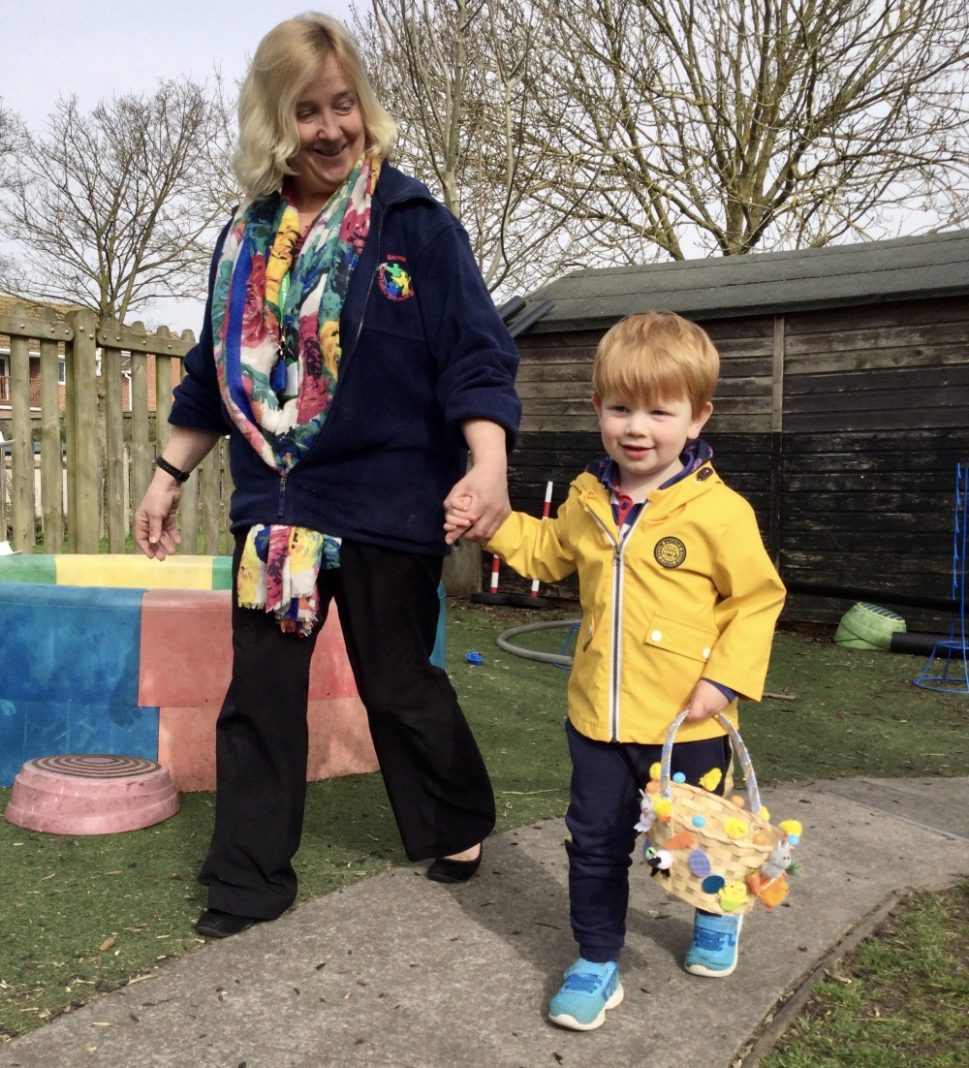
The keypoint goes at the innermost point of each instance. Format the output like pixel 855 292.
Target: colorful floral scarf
pixel 276 336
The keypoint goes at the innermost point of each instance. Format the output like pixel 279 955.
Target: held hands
pixel 458 517
pixel 706 701
pixel 476 506
pixel 153 524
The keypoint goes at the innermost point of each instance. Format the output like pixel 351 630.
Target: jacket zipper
pixel 373 274
pixel 389 207
pixel 344 361
pixel 281 503
pixel 615 656
pixel 615 668
pixel 281 506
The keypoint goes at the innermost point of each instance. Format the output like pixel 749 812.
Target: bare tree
pixel 463 79
pixel 9 128
pixel 114 209
pixel 10 133
pixel 725 125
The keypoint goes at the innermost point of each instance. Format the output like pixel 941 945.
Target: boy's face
pixel 646 440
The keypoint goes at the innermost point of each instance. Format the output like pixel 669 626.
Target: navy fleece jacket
pixel 414 368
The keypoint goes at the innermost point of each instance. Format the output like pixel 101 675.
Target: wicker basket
pixel 703 867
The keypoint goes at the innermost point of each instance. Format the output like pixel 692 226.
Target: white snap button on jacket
pixel 656 636
pixel 706 654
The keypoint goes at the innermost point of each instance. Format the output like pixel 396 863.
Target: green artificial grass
pixel 84 915
pixel 854 712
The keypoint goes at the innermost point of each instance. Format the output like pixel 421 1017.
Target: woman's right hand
pixel 153 524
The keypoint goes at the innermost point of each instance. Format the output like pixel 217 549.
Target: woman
pixel 351 351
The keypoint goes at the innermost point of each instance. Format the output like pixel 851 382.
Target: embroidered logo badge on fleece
pixel 395 281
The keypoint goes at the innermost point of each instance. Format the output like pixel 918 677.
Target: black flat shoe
pixel 454 871
pixel 215 924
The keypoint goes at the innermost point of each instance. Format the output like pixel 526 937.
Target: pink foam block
pixel 90 793
pixel 186 650
pixel 186 662
pixel 339 742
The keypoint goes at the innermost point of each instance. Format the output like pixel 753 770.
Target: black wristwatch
pixel 171 469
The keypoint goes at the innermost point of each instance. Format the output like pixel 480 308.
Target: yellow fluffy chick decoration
pixel 734 828
pixel 732 896
pixel 711 780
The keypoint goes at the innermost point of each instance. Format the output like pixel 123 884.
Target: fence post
pixel 111 389
pixel 142 450
pixel 22 451
pixel 4 529
pixel 51 454
pixel 83 476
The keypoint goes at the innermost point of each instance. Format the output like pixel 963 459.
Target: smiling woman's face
pixel 331 134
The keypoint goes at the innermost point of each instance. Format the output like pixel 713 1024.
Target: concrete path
pixel 399 972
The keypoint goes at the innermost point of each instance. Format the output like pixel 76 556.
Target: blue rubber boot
pixel 715 941
pixel 589 989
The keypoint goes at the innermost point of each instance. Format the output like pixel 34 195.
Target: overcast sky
pixel 96 49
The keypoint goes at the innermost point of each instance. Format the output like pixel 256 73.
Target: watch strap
pixel 170 469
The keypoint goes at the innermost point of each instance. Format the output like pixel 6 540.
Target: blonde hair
pixel 655 357
pixel 286 61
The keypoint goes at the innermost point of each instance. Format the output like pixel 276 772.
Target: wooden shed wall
pixel 841 426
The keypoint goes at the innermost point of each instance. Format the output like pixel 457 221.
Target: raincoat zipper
pixel 615 655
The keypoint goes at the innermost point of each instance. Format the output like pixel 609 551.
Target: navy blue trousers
pixel 434 774
pixel 601 818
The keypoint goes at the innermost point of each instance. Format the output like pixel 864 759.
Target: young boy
pixel 679 601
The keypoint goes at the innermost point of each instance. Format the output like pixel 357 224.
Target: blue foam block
pixel 69 674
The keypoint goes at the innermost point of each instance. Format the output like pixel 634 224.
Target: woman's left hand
pixel 477 505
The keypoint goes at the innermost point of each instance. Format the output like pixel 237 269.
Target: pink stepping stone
pixel 90 793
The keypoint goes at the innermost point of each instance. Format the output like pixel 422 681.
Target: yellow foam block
pixel 134 572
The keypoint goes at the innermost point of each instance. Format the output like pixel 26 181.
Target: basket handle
pixel 750 779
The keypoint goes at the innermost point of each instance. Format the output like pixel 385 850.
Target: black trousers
pixel 433 772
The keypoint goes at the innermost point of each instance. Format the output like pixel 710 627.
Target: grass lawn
pixel 898 999
pixel 85 915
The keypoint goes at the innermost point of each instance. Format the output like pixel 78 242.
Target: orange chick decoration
pixel 769 885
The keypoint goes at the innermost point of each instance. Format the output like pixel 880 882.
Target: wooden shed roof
pixel 763 283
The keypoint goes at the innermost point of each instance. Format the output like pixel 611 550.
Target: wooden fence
pixel 77 457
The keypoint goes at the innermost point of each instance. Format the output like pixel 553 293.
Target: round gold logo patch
pixel 670 552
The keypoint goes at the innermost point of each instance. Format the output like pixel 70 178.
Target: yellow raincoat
pixel 689 592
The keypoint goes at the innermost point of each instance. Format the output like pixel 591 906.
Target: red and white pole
pixel 547 506
pixel 495 568
pixel 546 512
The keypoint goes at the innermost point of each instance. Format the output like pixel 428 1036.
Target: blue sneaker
pixel 714 949
pixel 589 989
